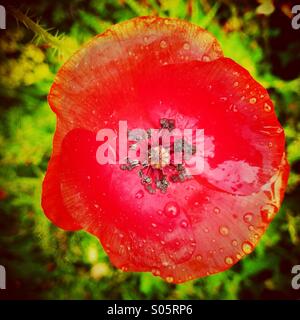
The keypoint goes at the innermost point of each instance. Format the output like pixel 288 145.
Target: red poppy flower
pixel 168 74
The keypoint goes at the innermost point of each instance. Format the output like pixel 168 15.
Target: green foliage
pixel 46 262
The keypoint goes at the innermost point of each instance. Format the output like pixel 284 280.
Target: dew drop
pixel 172 209
pixel 139 194
pixel 193 243
pixel 163 44
pixel 268 212
pixel 205 58
pixel 196 204
pixel 247 247
pixel 248 217
pixel 154 225
pixel 184 224
pixel 234 243
pixel 186 46
pixel 224 231
pixel 233 108
pixel 267 107
pixel 159 212
pixel 156 272
pixel 251 228
pixel 216 210
pixel 169 279
pixel 229 260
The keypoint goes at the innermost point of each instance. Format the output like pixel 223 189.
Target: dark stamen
pixel 153 177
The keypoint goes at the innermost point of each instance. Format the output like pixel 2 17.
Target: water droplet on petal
pixel 199 257
pixel 248 217
pixel 224 231
pixel 169 279
pixel 267 107
pixel 247 247
pixel 206 58
pixel 156 272
pixel 186 46
pixel 251 227
pixel 184 224
pixel 229 260
pixel 234 243
pixel 163 44
pixel 139 194
pixel 233 108
pixel 216 210
pixel 171 209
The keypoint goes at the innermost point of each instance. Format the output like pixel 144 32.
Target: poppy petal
pixel 52 202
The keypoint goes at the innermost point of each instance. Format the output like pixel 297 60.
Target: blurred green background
pixel 45 262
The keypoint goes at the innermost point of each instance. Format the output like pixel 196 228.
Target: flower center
pixel 159 157
pixel 159 167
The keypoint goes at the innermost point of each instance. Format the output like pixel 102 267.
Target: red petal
pixel 103 201
pixel 244 142
pixel 91 83
pixel 52 203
